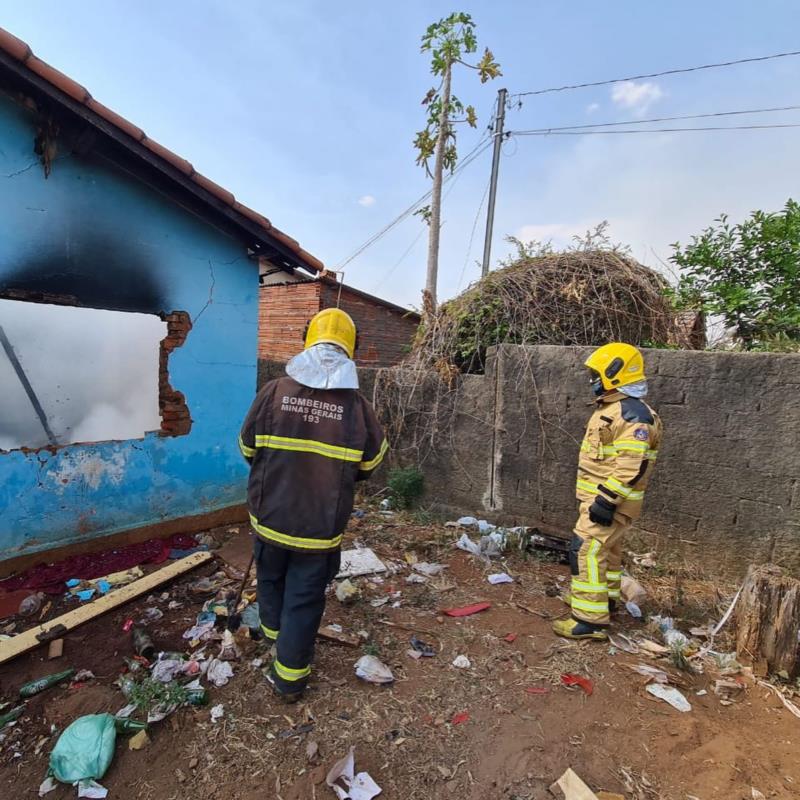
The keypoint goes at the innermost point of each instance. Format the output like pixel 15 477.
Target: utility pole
pixel 26 385
pixel 499 121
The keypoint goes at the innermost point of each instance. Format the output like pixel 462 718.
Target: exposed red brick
pixel 180 163
pixel 214 188
pixel 175 417
pixel 384 331
pixel 16 48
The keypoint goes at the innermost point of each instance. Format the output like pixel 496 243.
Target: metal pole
pixel 26 385
pixel 499 121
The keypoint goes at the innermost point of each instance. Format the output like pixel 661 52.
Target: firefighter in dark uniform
pixel 308 438
pixel 617 457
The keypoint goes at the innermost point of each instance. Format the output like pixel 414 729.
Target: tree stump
pixel 768 620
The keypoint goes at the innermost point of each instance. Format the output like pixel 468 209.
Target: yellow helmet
pixel 615 365
pixel 334 326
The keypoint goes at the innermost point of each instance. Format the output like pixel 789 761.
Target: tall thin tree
pixel 448 41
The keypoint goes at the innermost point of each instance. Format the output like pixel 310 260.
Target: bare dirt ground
pixel 438 731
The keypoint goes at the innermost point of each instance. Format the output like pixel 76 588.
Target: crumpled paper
pixel 349 786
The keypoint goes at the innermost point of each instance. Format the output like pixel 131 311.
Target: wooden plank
pixel 11 648
pixel 574 788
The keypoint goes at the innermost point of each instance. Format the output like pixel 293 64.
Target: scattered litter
pixel 349 786
pixel 83 675
pixel 510 638
pixel 651 673
pixel 462 662
pixel 415 654
pixel 143 644
pixel 47 786
pixel 415 578
pixel 139 741
pixel 199 633
pixel 127 625
pixel 574 788
pixel 461 718
pixel 647 560
pixel 790 706
pixel 669 694
pixel 85 594
pixel 633 609
pixel 298 730
pixel 632 590
pixel 569 680
pixel 92 789
pixel 466 611
pixel 652 647
pixel 756 794
pixel 56 649
pixel 347 592
pixel 152 614
pixel 11 716
pixel 373 670
pixel 219 672
pixel 334 633
pixel 361 561
pixel 228 649
pixel 84 750
pixel 672 636
pixel 500 577
pixel 622 642
pixel 428 569
pixel 382 601
pixel 465 543
pixel 423 648
pixel 724 686
pixel 701 693
pixel 467 522
pixel 217 712
pixel 250 617
pixel 312 750
pixel 537 690
pixel 30 605
pixel 34 687
pixel 166 670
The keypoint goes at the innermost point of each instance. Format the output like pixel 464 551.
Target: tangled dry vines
pixel 588 295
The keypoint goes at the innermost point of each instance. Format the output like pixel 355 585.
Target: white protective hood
pixel 638 389
pixel 323 366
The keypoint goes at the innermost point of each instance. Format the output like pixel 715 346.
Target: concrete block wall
pixel 727 484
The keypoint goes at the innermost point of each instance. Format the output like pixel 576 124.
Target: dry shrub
pixel 590 294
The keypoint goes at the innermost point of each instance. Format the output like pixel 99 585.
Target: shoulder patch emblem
pixel 642 434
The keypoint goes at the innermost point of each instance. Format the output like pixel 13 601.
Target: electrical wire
pixel 422 230
pixel 654 130
pixel 479 148
pixel 677 71
pixel 658 119
pixel 472 235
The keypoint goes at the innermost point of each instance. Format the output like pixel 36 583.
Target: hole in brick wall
pixel 70 375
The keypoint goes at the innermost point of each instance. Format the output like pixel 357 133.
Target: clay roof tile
pixel 179 163
pixel 58 79
pixel 16 48
pixel 214 188
pixel 253 215
pixel 116 120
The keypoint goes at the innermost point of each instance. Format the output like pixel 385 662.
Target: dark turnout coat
pixel 307 448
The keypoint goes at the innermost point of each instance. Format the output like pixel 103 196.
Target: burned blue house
pixel 94 215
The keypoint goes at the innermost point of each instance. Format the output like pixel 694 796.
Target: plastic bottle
pixel 31 605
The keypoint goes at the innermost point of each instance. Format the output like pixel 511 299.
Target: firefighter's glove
pixel 601 512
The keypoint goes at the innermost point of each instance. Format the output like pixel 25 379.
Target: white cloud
pixel 366 201
pixel 636 97
pixel 592 107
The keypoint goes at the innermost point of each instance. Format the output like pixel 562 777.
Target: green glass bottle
pixel 10 716
pixel 34 687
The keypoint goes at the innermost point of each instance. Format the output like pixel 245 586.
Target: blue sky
pixel 305 108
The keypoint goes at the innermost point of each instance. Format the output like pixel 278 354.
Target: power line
pixel 656 74
pixel 472 235
pixel 482 145
pixel 654 130
pixel 657 119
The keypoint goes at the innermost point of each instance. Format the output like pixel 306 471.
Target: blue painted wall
pixel 96 232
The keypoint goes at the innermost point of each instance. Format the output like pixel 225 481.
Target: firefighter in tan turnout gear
pixel 308 438
pixel 617 457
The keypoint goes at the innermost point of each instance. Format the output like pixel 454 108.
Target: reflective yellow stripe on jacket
pixel 626 492
pixel 247 452
pixel 621 446
pixel 301 543
pixel 309 446
pixel 368 465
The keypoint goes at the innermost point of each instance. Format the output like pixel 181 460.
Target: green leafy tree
pixel 749 274
pixel 449 41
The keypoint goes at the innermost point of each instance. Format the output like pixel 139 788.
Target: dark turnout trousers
pixel 291 600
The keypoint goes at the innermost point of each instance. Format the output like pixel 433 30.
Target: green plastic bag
pixel 84 749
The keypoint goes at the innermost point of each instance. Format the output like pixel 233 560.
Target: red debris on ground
pixel 511 638
pixel 467 611
pixel 578 680
pixel 537 690
pixel 459 718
